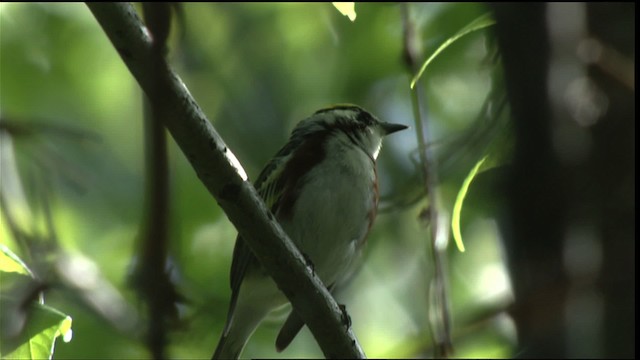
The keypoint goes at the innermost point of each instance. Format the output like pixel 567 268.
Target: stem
pixel 439 312
pixel 150 278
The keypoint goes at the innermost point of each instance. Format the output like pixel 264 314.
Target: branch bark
pixel 216 167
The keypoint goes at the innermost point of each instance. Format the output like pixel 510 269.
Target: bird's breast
pixel 333 209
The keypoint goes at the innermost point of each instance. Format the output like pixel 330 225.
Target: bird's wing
pixel 270 189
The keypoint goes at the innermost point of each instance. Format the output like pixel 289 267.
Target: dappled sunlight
pixel 82 275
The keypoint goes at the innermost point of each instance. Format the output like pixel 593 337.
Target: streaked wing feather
pixel 270 189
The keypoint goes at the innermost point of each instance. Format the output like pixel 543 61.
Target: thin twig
pixel 150 278
pixel 439 313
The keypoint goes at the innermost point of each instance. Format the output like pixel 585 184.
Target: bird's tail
pixel 237 331
pixel 227 348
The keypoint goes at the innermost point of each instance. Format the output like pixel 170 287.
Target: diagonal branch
pixel 216 167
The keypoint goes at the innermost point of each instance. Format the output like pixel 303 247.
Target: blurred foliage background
pixel 72 167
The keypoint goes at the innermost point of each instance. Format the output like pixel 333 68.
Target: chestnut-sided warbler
pixel 322 186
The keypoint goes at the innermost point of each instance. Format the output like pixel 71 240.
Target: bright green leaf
pixel 347 9
pixel 457 207
pixel 37 339
pixel 10 262
pixel 481 22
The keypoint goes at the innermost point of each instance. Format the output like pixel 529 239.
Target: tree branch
pixel 439 308
pixel 150 278
pixel 216 167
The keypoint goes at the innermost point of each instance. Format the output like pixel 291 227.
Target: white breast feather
pixel 331 214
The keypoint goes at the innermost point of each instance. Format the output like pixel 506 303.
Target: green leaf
pixel 347 9
pixel 10 262
pixel 457 207
pixel 480 22
pixel 37 339
pixel 37 327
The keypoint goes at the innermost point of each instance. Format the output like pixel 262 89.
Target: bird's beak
pixel 391 128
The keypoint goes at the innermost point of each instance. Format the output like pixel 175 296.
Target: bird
pixel 322 187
